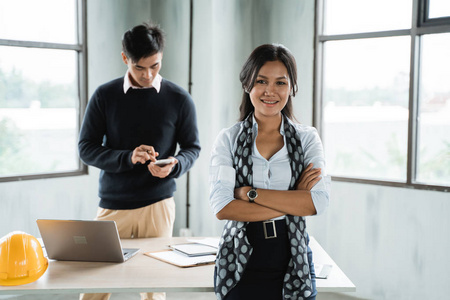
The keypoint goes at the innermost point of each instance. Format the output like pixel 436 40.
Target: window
pixel 435 12
pixel 42 87
pixel 433 149
pixel 382 94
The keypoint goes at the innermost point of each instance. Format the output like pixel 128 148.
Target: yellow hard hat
pixel 22 260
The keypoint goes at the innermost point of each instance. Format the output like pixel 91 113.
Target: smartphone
pixel 163 162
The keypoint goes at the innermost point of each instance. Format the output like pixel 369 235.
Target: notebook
pixel 80 240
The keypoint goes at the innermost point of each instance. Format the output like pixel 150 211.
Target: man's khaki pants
pixel 154 220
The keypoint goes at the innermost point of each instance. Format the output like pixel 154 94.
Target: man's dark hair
pixel 250 70
pixel 143 41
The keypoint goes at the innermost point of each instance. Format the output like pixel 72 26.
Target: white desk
pixel 145 274
pixel 337 281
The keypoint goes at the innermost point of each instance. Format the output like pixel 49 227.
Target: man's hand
pixel 309 178
pixel 161 171
pixel 144 153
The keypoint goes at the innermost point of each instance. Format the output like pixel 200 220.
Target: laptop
pixel 80 240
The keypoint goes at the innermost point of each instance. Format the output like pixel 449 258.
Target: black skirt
pixel 264 273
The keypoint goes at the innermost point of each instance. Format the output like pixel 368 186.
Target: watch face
pixel 252 194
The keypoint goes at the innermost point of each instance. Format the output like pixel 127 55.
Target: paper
pixel 322 271
pixel 213 242
pixel 180 260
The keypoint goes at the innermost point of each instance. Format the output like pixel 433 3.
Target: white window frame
pixel 420 26
pixel 81 48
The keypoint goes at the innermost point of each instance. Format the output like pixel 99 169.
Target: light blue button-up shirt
pixel 274 174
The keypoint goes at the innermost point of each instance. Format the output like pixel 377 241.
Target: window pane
pixel 43 20
pixel 365 96
pixel 354 16
pixel 433 166
pixel 439 8
pixel 38 111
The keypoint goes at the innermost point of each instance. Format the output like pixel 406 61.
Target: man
pixel 130 123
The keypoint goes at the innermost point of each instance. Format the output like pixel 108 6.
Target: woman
pixel 265 178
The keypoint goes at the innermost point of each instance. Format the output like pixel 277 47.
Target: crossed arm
pixel 273 203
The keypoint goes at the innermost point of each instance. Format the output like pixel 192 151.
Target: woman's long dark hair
pixel 250 70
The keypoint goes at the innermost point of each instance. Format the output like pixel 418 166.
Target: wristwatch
pixel 252 194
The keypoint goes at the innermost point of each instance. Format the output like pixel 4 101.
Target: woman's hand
pixel 309 178
pixel 240 193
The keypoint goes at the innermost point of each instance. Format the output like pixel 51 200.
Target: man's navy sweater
pixel 116 123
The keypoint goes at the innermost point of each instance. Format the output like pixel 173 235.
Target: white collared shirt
pixel 127 84
pixel 274 173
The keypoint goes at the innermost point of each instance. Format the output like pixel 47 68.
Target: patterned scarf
pixel 234 247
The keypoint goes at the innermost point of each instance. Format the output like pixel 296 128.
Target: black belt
pixel 267 229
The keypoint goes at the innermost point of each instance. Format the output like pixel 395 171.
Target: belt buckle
pixel 265 224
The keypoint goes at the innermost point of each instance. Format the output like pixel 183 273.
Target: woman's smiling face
pixel 271 89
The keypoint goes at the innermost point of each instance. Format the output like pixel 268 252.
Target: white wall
pixel 393 243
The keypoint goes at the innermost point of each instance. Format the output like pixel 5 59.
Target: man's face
pixel 143 72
